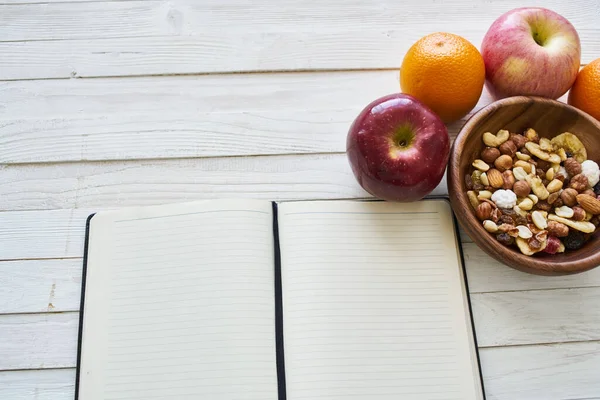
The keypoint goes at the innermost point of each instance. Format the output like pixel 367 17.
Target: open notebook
pixel 239 299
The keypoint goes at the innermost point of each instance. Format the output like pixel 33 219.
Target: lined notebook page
pixel 179 304
pixel 374 304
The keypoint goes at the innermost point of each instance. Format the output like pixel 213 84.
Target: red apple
pixel 531 51
pixel 398 148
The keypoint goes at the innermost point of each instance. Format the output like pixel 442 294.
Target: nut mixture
pixel 538 194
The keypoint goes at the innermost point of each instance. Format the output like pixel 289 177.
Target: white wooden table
pixel 118 103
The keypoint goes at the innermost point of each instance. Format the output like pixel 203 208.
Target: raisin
pixel 574 240
pixel 597 189
pixel 468 182
pixel 521 220
pixel 505 239
pixel 506 219
pixel 569 155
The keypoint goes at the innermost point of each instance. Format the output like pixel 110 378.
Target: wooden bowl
pixel 549 118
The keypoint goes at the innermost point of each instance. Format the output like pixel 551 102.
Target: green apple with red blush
pixel 398 148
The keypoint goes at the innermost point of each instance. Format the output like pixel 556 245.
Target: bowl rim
pixel 475 229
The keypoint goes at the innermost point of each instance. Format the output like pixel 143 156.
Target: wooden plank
pixel 501 319
pixel 32 285
pixel 33 341
pixel 46 384
pixel 110 184
pixel 81 20
pixel 520 373
pixel 540 316
pixel 42 234
pixel 40 285
pixel 488 275
pixel 49 340
pixel 186 37
pixel 545 372
pixel 304 113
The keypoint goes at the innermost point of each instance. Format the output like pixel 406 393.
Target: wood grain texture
pixel 33 341
pixel 540 316
pixel 519 373
pixel 45 384
pixel 186 37
pixel 49 340
pixel 207 116
pixel 40 285
pixel 42 234
pixel 29 286
pixel 516 114
pixel 485 274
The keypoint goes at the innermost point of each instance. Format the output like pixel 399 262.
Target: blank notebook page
pixel 179 304
pixel 374 303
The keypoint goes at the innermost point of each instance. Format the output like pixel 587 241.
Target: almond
pixel 495 178
pixel 589 203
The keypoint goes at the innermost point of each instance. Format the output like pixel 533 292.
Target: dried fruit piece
pixel 481 165
pixel 572 166
pixel 589 203
pixel 582 226
pixel 597 189
pixel 552 245
pixel 571 144
pixel 496 140
pixel 539 220
pixel 505 239
pixel 503 163
pixel 569 197
pixel 473 199
pixel 575 240
pixel 490 226
pixel 537 187
pixel 562 154
pixel 543 205
pixel 557 229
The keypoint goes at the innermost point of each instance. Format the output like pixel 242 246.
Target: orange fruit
pixel 585 92
pixel 444 71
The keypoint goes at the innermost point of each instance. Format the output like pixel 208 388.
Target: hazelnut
pixel 557 229
pixel 518 140
pixel 589 192
pixel 579 182
pixel 569 197
pixel 522 188
pixel 509 180
pixel 484 211
pixel 503 163
pixel 578 213
pixel 508 148
pixel 490 154
pixel 572 166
